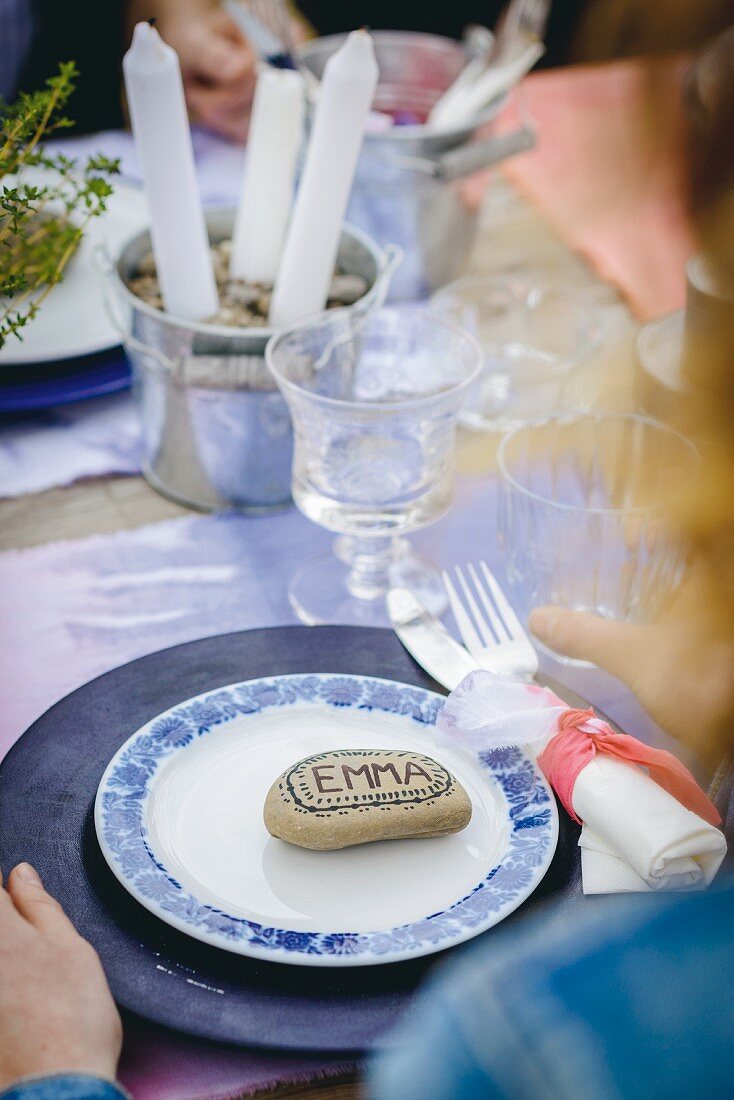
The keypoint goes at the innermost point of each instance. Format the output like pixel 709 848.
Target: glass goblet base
pixel 333 587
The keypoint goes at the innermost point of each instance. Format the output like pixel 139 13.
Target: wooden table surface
pixel 512 234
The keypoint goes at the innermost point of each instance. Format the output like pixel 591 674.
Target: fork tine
pixel 483 629
pixel 514 627
pixel 469 636
pixel 495 620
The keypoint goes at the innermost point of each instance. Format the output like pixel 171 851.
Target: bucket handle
pixel 470 158
pixel 483 154
pixel 461 162
pixel 390 260
pixel 106 268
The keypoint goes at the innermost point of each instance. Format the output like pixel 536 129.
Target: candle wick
pixel 152 21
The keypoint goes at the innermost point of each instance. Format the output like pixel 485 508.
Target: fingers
pixel 220 60
pixel 223 24
pixel 218 102
pixel 220 112
pixel 32 902
pixel 7 909
pixel 616 647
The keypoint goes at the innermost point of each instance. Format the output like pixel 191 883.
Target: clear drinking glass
pixel 374 400
pixel 534 338
pixel 581 521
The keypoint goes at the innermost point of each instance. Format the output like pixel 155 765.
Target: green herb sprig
pixel 42 222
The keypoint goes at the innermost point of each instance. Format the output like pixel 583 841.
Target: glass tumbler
pixel 534 337
pixel 582 513
pixel 374 400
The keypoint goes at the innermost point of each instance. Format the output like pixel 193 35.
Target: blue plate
pixel 26 388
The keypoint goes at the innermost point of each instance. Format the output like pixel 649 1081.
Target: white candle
pixel 312 241
pixel 160 126
pixel 276 131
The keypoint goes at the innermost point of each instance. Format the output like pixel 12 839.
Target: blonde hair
pixel 704 514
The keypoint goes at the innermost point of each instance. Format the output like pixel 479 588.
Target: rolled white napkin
pixel 636 836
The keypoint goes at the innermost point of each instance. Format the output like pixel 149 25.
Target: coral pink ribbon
pixel 581 735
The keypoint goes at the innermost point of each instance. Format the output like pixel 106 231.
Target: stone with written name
pixel 353 796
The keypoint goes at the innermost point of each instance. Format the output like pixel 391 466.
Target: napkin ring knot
pixel 581 736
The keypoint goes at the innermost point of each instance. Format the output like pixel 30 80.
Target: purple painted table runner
pixel 61 445
pixel 73 610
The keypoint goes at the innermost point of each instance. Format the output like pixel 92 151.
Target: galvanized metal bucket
pixel 216 432
pixel 408 189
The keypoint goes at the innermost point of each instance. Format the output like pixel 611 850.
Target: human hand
pixel 56 1011
pixel 217 65
pixel 681 670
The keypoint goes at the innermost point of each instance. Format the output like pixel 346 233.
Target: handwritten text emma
pixel 327 777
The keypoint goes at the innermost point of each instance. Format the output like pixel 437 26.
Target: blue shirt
pixel 629 998
pixel 67 1086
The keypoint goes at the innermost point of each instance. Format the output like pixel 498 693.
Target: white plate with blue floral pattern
pixel 179 817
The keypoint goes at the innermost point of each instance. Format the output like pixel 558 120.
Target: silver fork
pixel 488 626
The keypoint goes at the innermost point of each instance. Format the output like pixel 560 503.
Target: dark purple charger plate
pixel 48 784
pixel 24 388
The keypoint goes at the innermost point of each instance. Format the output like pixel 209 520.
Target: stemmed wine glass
pixel 374 400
